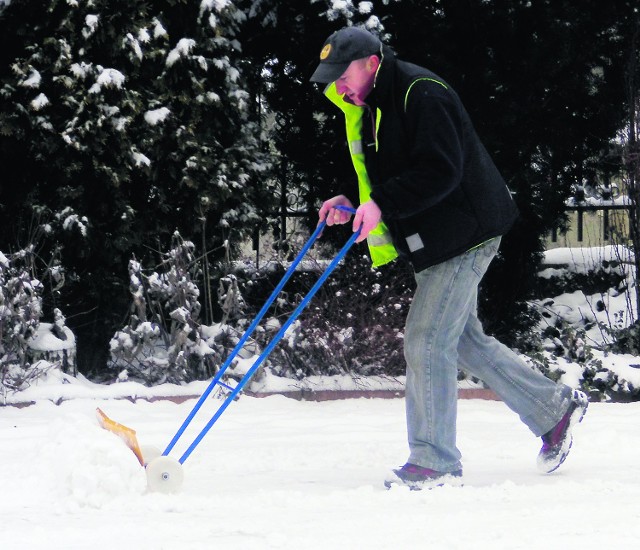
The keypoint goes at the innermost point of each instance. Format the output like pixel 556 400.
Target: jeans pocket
pixel 483 256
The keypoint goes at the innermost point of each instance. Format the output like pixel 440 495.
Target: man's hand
pixel 331 214
pixel 367 217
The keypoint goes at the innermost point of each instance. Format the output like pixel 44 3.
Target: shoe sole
pixel 449 480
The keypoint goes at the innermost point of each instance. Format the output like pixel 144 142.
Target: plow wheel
pixel 164 475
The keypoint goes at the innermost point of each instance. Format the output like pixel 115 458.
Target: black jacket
pixel 438 189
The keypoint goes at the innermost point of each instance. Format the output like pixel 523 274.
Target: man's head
pixel 349 57
pixel 340 49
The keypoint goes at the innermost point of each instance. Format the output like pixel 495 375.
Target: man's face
pixel 357 81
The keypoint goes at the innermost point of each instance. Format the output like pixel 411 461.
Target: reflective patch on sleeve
pixel 379 240
pixel 415 242
pixel 356 147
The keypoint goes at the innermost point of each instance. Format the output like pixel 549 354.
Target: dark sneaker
pixel 557 442
pixel 417 478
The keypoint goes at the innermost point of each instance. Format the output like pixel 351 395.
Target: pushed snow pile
pixel 87 466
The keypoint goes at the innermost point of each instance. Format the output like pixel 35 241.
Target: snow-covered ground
pixel 279 473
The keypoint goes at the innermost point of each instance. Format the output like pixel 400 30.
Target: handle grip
pixel 345 208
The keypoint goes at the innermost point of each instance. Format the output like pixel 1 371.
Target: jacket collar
pixel 382 83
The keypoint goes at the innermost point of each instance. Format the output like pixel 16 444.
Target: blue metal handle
pixel 346 208
pixel 245 379
pixel 244 338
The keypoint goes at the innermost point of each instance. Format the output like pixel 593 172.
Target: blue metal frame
pixel 247 377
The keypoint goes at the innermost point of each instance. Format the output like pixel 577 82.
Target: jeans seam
pixel 429 350
pixel 543 406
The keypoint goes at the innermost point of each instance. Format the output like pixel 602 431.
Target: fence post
pixel 606 219
pixel 580 222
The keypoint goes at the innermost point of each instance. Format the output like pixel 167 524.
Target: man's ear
pixel 373 62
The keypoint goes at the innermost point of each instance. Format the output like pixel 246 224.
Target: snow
pixel 627 367
pixel 91 22
pixel 183 49
pixel 280 473
pixel 143 36
pixel 33 81
pixel 80 70
pixel 135 45
pixel 139 159
pixel 158 29
pixel 213 21
pixel 365 7
pixel 108 78
pixel 156 116
pixel 582 260
pixel 72 220
pixel 621 200
pixel 56 386
pixel 39 102
pixel 210 5
pixel 613 308
pixel 45 340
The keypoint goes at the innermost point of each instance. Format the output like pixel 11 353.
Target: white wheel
pixel 164 475
pixel 149 452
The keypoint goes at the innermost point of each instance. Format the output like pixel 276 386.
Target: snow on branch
pixel 156 116
pixel 91 22
pixel 158 29
pixel 39 102
pixel 217 5
pixel 183 49
pixel 33 81
pixel 108 78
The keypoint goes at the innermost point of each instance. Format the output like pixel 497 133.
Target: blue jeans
pixel 443 332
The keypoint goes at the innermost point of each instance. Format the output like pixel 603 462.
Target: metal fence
pixel 612 226
pixel 282 229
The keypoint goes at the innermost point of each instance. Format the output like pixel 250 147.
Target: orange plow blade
pixel 123 432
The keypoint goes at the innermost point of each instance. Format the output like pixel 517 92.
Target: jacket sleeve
pixel 434 127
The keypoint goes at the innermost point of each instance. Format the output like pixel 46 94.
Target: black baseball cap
pixel 340 49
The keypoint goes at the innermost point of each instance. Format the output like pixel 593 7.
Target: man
pixel 429 191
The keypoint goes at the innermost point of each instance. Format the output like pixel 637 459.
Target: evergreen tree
pixel 120 123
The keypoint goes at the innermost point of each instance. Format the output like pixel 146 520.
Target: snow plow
pixel 165 473
pixel 126 434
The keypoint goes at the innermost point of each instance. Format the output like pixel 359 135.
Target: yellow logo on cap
pixel 325 52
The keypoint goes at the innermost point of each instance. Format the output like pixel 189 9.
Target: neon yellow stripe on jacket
pixel 379 242
pixel 406 96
